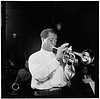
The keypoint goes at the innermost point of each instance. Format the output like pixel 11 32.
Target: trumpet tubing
pixel 78 54
pixel 54 47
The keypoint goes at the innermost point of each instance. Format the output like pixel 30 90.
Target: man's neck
pixel 46 49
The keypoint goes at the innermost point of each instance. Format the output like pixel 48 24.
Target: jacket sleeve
pixel 40 70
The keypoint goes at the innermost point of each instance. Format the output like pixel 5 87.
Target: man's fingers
pixel 68 83
pixel 64 49
pixel 64 45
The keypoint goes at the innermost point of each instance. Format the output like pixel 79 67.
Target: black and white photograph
pixel 49 49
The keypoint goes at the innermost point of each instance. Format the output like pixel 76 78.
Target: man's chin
pixel 51 49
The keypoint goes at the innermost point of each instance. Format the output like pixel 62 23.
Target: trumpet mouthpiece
pixel 54 47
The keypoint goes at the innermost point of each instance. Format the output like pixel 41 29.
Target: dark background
pixel 80 26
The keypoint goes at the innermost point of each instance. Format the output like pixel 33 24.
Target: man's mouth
pixel 51 45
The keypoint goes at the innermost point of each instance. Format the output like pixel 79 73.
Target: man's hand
pixel 60 51
pixel 41 81
pixel 68 83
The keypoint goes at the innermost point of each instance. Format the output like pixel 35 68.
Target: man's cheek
pixel 49 42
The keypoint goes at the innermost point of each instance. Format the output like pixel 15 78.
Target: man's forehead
pixel 52 35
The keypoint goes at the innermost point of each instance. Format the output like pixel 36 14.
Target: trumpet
pixel 87 56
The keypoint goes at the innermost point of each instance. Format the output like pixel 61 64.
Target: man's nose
pixel 54 43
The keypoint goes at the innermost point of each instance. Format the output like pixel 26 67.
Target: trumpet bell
pixel 88 56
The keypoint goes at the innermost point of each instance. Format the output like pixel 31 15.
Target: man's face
pixel 51 41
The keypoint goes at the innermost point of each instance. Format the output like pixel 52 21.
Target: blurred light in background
pixel 14 35
pixel 59 26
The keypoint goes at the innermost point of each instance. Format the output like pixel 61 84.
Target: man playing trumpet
pixel 50 75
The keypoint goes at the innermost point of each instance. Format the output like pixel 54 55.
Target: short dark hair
pixel 45 32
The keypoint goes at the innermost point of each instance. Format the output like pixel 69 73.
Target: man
pixel 49 73
pixel 22 79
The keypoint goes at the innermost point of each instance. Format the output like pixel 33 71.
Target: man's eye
pixel 51 40
pixel 55 40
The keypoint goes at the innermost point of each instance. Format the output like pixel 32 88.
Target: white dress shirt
pixel 41 64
